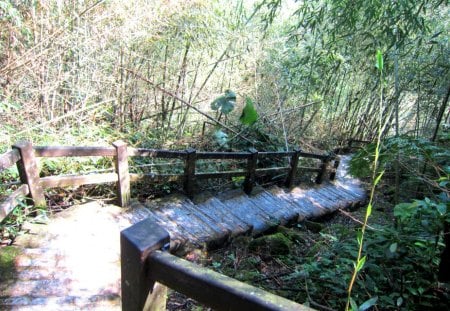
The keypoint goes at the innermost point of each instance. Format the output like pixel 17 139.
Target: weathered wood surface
pixel 213 220
pixel 9 159
pixel 73 151
pixel 13 200
pixel 66 181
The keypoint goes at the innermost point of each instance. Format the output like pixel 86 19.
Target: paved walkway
pixel 72 263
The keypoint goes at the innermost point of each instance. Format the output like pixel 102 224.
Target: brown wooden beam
pixel 9 159
pixel 249 181
pixel 73 181
pixel 214 289
pixel 136 243
pixel 29 173
pixel 73 151
pixel 12 201
pixel 293 170
pixel 123 181
pixel 189 172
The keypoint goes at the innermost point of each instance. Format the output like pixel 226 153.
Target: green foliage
pixel 225 103
pixel 413 153
pixel 249 114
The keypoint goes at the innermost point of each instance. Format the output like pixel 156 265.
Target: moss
pixel 7 257
pixel 275 244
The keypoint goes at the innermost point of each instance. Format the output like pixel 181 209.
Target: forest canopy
pixel 138 68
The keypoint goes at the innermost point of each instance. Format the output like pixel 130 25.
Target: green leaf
pixel 379 64
pixel 249 114
pixel 224 103
pixel 369 209
pixel 377 180
pixel 353 304
pixel 361 263
pixel 399 301
pixel 368 304
pixel 359 237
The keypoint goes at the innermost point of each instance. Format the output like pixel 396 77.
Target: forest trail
pixel 73 262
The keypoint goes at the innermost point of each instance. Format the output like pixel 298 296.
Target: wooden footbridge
pixel 75 261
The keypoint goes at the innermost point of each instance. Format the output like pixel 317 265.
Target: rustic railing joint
pixel 29 172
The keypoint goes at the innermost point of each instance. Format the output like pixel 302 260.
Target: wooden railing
pixel 144 267
pixel 24 155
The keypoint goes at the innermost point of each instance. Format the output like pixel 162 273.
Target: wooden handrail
pixel 23 155
pixel 143 266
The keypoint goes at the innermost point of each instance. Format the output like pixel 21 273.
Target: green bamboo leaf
pixel 360 263
pixel 377 180
pixel 369 209
pixel 379 64
pixel 359 237
pixel 249 113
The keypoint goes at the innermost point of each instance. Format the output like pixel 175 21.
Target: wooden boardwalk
pixel 209 221
pixel 72 263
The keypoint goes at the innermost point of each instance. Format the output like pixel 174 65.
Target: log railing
pixel 24 155
pixel 146 270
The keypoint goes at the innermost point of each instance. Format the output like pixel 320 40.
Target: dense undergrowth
pixel 406 267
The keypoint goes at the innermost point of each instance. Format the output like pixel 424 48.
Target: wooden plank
pixel 178 237
pixel 276 154
pixel 240 206
pixel 29 172
pixel 155 178
pixel 342 196
pixel 280 194
pixel 123 176
pixel 320 195
pixel 304 204
pixel 264 171
pixel 73 151
pixel 226 174
pixel 219 234
pixel 274 206
pixel 155 153
pixel 9 159
pixel 65 181
pixel 223 155
pixel 312 155
pixel 8 205
pixel 198 231
pixel 216 210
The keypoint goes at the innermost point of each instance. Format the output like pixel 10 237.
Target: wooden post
pixel 337 161
pixel 136 243
pixel 323 169
pixel 123 182
pixel 293 171
pixel 29 172
pixel 189 172
pixel 251 170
